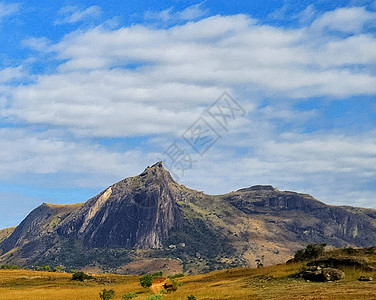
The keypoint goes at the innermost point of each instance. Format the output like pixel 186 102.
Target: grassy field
pixel 273 282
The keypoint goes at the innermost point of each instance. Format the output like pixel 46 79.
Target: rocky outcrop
pixel 322 274
pixel 135 212
pixel 308 219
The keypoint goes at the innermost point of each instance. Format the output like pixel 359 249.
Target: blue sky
pixel 93 93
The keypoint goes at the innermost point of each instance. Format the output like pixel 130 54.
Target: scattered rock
pixel 365 278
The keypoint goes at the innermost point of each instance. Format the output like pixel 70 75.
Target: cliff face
pixel 150 216
pixel 309 219
pixel 135 212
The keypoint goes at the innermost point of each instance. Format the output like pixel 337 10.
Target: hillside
pixel 150 221
pixel 273 282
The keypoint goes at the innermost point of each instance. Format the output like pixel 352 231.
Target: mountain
pixel 150 222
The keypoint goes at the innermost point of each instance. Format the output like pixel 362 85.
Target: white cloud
pixel 307 15
pixel 335 169
pixel 9 74
pixel 37 44
pixel 347 20
pixel 193 12
pixel 8 9
pixel 43 153
pixel 72 14
pixel 140 80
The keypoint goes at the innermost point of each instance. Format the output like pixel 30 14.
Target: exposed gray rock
pixel 316 273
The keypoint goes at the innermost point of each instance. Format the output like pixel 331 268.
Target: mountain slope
pixel 135 212
pixel 150 216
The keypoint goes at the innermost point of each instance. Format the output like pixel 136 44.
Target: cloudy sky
pixel 90 94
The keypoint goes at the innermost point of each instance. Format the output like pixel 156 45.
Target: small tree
pixel 129 296
pixel 191 297
pixel 146 280
pixel 312 251
pixel 107 294
pixel 81 276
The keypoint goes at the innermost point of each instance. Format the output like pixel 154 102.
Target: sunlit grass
pixel 274 282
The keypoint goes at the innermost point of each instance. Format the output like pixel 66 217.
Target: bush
pixel 146 280
pixel 107 294
pixel 157 274
pixel 43 268
pixel 129 295
pixel 191 297
pixel 81 276
pixel 154 297
pixel 312 251
pixel 9 267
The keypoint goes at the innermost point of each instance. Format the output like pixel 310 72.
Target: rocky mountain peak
pixel 157 171
pixel 138 211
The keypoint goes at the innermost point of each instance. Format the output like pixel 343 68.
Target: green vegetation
pixel 312 251
pixel 154 297
pixel 81 276
pixel 107 294
pixel 43 268
pixel 146 280
pixel 9 267
pixel 129 296
pixel 268 282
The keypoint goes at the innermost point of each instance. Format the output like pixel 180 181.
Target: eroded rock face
pixel 308 219
pixel 135 212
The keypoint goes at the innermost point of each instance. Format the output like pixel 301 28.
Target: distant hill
pixel 150 220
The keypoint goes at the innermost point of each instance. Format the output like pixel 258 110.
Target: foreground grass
pixel 273 282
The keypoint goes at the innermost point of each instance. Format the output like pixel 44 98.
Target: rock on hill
pixel 150 219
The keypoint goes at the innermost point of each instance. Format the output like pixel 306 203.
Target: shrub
pixel 81 276
pixel 129 295
pixel 107 294
pixel 191 297
pixel 9 267
pixel 154 297
pixel 57 269
pixel 146 280
pixel 157 274
pixel 43 268
pixel 312 251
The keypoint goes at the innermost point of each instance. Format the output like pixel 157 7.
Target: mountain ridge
pixel 150 216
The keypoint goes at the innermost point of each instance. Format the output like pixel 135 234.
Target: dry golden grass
pixel 272 282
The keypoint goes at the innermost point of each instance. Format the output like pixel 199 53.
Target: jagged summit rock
pixel 150 217
pixel 135 212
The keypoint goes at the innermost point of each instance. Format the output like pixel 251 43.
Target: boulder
pixel 316 273
pixel 365 278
